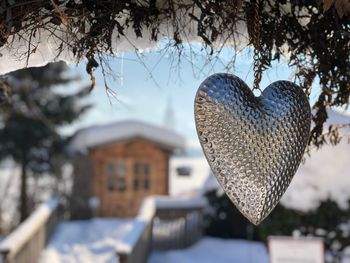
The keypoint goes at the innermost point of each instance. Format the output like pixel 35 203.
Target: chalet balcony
pixel 162 223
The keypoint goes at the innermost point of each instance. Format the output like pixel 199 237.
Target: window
pixel 184 171
pixel 136 176
pixel 116 176
pixel 121 176
pixel 146 182
pixel 141 176
pixel 111 179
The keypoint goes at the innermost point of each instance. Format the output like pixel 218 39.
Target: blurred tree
pixel 225 221
pixel 30 120
pixel 328 221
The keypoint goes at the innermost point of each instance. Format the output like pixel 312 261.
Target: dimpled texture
pixel 254 145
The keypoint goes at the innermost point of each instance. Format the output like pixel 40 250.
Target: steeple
pixel 169 115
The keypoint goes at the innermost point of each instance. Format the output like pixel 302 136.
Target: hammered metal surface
pixel 254 145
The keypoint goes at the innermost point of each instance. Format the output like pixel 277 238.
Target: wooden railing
pixel 178 231
pixel 137 244
pixel 25 244
pixel 163 223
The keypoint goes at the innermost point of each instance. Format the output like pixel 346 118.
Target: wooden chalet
pixel 117 165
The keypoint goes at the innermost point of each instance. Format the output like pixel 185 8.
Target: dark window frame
pixel 111 179
pixel 116 176
pixel 146 176
pixel 121 175
pixel 136 174
pixel 141 175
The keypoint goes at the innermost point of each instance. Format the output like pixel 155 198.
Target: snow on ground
pixel 97 241
pixel 209 250
pixel 87 241
pixel 346 255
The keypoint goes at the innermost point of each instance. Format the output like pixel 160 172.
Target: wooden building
pixel 117 165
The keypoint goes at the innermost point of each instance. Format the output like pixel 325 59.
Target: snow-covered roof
pixel 124 130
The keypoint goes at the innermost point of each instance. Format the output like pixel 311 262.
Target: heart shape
pixel 253 145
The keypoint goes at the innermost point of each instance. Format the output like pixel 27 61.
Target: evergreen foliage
pixel 225 221
pixel 328 221
pixel 29 122
pixel 313 34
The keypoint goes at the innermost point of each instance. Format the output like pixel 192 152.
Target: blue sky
pixel 144 96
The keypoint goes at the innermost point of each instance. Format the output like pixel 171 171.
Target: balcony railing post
pixel 24 245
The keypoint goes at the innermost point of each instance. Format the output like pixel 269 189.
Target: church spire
pixel 169 115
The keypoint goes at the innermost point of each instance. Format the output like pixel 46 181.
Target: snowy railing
pixel 178 223
pixel 25 244
pixel 163 223
pixel 137 244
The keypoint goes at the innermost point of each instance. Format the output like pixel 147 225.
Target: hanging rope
pixel 257 47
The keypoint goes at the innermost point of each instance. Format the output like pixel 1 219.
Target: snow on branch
pixel 44 31
pixel 315 35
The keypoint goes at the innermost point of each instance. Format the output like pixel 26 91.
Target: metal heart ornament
pixel 253 145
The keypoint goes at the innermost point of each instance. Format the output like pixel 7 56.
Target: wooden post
pixel 25 244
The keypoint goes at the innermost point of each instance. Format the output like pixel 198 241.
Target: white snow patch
pixel 179 202
pixel 47 45
pixel 97 240
pixel 88 241
pixel 325 174
pixel 144 217
pixel 13 57
pixel 346 255
pixel 147 210
pixel 209 250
